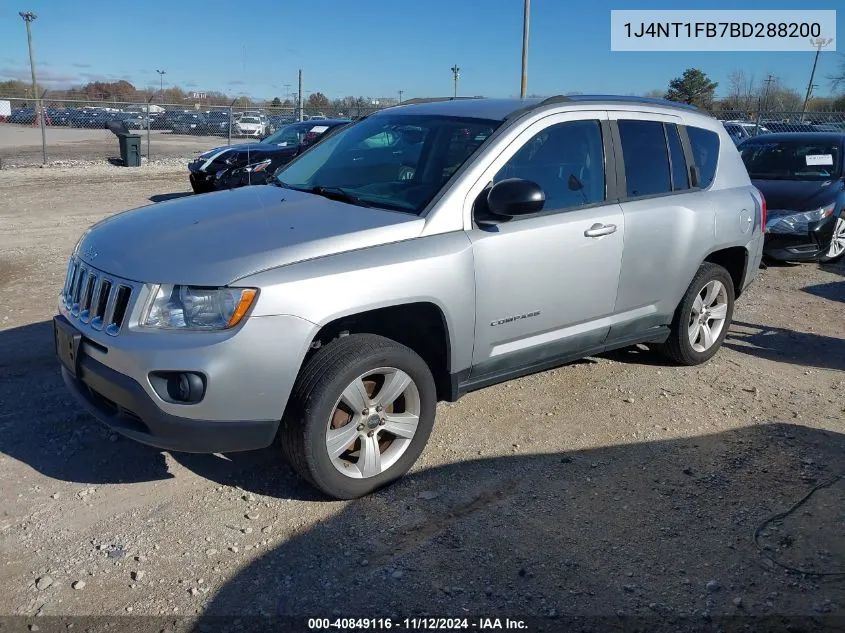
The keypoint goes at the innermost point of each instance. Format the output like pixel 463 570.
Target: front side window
pixel 646 158
pixel 392 161
pixel 566 160
pixel 792 160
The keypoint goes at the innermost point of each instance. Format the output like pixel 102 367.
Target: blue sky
pixel 370 47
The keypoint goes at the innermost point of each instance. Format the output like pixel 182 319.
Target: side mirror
pixel 515 196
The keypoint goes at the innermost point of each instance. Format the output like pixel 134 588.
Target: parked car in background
pixel 250 126
pixel 189 123
pixel 737 132
pixel 233 166
pixel 328 313
pixel 25 116
pixel 780 126
pixel 802 178
pixel 218 122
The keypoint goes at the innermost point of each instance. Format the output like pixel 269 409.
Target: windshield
pixel 249 119
pixel 391 161
pixel 792 160
pixel 291 134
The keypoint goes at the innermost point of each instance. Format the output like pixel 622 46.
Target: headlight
pixel 257 167
pixel 194 308
pixel 798 222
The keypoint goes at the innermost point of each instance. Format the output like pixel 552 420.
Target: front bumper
pixel 801 247
pixel 121 403
pixel 249 373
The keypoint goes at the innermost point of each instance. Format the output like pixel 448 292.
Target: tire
pixel 837 244
pixel 679 347
pixel 319 400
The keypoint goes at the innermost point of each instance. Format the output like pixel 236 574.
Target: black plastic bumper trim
pixel 121 403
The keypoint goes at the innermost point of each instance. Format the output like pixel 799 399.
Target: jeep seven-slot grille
pixel 96 298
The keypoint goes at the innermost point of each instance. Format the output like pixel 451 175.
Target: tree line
pixel 124 92
pixel 747 93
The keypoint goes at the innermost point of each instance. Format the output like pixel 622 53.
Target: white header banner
pixel 683 30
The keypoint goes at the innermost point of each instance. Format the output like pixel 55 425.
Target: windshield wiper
pixel 338 193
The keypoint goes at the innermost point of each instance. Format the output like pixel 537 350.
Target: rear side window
pixel 705 152
pixel 646 158
pixel 677 161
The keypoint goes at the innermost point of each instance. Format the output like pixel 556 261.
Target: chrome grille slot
pixel 95 298
pixel 87 297
pixel 81 275
pixel 98 310
pixel 121 302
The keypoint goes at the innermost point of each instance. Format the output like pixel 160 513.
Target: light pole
pixel 819 43
pixel 456 74
pixel 401 92
pixel 28 17
pixel 161 74
pixel 526 17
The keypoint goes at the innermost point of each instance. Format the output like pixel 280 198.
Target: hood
pixel 263 149
pixel 216 238
pixel 798 195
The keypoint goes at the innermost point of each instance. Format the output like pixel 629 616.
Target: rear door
pixel 665 219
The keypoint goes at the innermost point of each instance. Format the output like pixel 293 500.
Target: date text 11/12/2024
pixel 416 624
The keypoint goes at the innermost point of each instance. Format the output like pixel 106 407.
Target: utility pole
pixel 819 43
pixel 456 73
pixel 768 82
pixel 299 95
pixel 401 92
pixel 526 17
pixel 28 17
pixel 161 74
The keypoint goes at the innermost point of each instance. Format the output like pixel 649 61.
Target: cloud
pixel 44 77
pixel 82 65
pixel 236 82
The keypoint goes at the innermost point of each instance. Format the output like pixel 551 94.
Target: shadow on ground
pixel 42 425
pixel 833 291
pixel 787 346
pixel 660 531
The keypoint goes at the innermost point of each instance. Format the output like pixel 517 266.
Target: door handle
pixel 597 230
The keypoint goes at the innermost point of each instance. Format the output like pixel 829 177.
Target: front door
pixel 546 283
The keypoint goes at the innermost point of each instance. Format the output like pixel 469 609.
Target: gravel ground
pixel 619 486
pixel 20 146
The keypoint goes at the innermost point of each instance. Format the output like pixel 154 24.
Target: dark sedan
pixel 234 166
pixel 802 177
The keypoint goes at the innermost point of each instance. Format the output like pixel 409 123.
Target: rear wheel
pixel 703 317
pixel 359 416
pixel 837 244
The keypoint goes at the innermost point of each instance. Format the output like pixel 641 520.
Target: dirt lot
pixel 20 145
pixel 618 487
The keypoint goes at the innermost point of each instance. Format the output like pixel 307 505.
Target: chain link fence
pixel 78 131
pixel 742 125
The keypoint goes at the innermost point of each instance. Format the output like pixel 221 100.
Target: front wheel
pixel 703 317
pixel 359 416
pixel 837 244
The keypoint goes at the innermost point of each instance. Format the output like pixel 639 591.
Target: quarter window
pixel 646 158
pixel 705 151
pixel 566 160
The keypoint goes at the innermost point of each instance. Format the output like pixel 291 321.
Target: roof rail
pixel 614 98
pixel 534 106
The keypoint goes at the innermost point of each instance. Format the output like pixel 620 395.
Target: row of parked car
pixel 255 124
pixel 740 130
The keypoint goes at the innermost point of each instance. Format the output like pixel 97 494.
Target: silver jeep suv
pixel 418 254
